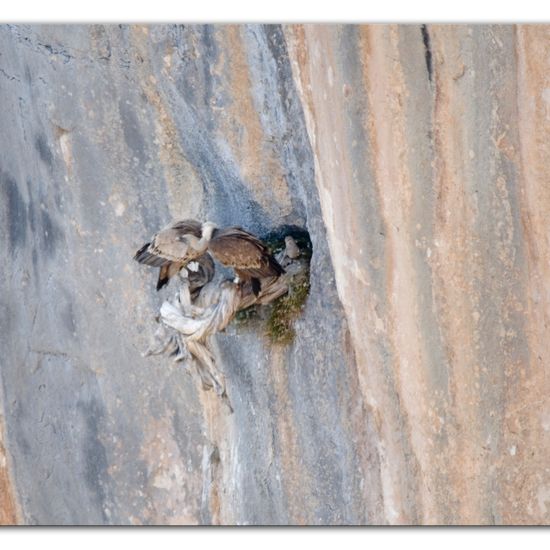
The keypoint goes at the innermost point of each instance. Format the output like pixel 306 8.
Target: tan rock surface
pixel 416 390
pixel 431 163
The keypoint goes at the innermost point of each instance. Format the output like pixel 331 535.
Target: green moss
pixel 286 309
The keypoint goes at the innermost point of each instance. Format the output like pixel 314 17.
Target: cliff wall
pixel 416 388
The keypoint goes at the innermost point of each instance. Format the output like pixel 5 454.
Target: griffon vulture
pixel 169 251
pixel 234 247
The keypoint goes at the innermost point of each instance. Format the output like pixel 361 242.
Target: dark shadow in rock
pixel 16 212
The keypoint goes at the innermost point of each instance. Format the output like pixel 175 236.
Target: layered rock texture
pixel 416 389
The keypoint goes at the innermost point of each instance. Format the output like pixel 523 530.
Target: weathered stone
pixel 416 158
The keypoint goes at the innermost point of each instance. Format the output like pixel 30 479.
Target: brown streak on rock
pixel 528 478
pixel 241 127
pixel 454 268
pixel 296 482
pixel 8 507
pixel 182 179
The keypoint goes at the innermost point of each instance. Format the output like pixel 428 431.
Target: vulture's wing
pixel 167 245
pixel 167 250
pixel 146 255
pixel 236 248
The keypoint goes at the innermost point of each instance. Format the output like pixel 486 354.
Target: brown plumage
pixel 246 254
pixel 170 251
pixel 199 272
pixel 182 242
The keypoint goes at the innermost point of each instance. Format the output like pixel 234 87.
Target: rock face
pixel 416 390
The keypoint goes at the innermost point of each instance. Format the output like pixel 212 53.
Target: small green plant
pixel 285 310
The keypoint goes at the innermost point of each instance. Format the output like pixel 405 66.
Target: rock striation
pixel 416 388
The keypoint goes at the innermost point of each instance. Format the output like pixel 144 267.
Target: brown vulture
pixel 233 247
pixel 246 254
pixel 169 251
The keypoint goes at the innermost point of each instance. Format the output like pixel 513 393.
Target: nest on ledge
pixel 187 322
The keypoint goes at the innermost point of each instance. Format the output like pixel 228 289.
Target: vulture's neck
pixel 200 245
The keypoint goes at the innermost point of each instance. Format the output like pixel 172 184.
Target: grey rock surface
pixel 416 390
pixel 108 134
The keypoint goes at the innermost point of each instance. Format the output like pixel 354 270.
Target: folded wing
pixel 246 254
pixel 168 250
